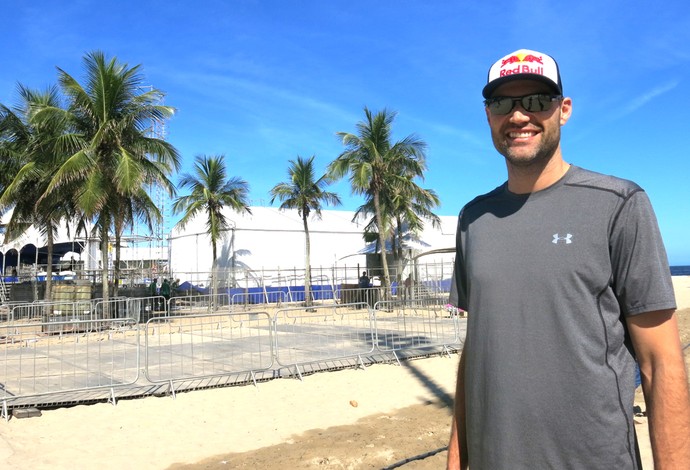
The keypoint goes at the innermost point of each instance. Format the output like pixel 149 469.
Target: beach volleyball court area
pixel 193 343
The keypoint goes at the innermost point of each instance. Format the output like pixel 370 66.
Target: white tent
pixel 269 238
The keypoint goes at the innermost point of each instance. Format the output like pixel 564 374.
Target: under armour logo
pixel 567 238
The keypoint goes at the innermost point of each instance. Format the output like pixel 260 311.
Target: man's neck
pixel 533 178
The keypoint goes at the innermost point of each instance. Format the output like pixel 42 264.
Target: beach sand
pixel 383 416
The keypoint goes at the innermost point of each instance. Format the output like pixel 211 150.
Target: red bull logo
pixel 513 59
pixel 528 64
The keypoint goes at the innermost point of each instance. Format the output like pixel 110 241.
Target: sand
pixel 385 416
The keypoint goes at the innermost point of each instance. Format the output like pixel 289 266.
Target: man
pixel 165 292
pixel 566 281
pixel 363 281
pixel 408 287
pixel 153 287
pixel 363 293
pixel 153 292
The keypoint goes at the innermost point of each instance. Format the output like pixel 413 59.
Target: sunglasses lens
pixel 501 105
pixel 536 103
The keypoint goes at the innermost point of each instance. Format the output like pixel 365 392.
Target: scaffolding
pixel 150 245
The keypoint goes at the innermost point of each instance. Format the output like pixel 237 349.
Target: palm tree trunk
pixel 400 253
pixel 382 240
pixel 104 268
pixel 47 296
pixel 214 287
pixel 116 273
pixel 307 262
pixel 49 268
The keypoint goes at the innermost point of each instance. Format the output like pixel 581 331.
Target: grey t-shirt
pixel 547 279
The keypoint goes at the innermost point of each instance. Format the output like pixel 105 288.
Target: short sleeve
pixel 641 275
pixel 458 284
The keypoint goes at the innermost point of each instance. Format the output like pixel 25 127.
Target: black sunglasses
pixel 501 105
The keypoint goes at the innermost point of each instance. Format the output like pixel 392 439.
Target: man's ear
pixel 566 110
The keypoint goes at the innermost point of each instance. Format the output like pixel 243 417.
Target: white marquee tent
pixel 266 239
pixel 270 239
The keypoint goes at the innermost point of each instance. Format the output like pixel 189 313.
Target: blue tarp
pixel 274 294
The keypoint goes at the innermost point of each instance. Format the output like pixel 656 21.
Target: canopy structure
pixel 29 253
pixel 31 246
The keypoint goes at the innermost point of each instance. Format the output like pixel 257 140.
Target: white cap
pixel 524 65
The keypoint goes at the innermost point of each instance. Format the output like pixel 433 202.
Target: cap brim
pixel 491 87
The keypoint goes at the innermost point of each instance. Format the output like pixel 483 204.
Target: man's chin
pixel 522 160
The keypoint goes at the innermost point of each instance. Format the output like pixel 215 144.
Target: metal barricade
pixel 248 300
pixel 194 339
pixel 26 312
pixel 78 310
pixel 47 313
pixel 141 309
pixel 413 324
pixel 369 295
pixel 323 292
pixel 323 333
pixel 197 304
pixel 207 345
pixel 41 311
pixel 76 356
pixel 114 308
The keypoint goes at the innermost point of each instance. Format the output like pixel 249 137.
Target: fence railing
pixel 192 304
pixel 146 341
pixel 249 300
pixel 324 333
pixel 62 310
pixel 208 345
pixel 414 324
pixel 77 355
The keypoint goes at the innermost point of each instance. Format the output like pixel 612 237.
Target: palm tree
pixel 406 207
pixel 137 207
pixel 211 191
pixel 304 193
pixel 412 210
pixel 375 164
pixel 111 115
pixel 14 136
pixel 33 143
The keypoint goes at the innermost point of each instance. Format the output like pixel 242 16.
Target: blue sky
pixel 264 81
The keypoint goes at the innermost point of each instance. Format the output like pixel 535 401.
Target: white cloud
pixel 639 101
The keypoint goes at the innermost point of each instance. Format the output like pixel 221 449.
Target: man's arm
pixel 457 447
pixel 665 386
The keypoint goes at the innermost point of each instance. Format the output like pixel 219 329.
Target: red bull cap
pixel 523 65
